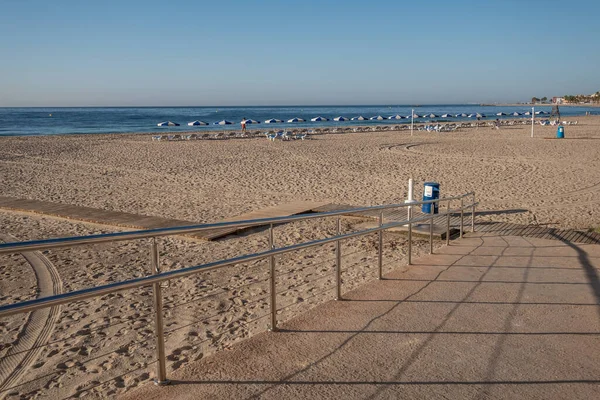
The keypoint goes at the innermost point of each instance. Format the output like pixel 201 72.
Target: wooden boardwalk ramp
pixel 283 210
pixel 136 221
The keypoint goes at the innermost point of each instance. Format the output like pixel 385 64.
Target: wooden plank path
pixel 136 221
pixel 282 210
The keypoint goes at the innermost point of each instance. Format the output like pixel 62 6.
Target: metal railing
pixel 158 277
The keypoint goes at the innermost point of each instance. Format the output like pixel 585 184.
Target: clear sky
pixel 271 52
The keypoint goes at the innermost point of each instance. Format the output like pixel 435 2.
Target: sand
pixel 105 346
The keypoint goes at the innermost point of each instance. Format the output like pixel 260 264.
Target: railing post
pixel 273 327
pixel 380 273
pixel 431 211
pixel 409 235
pixel 473 215
pixel 338 263
pixel 462 216
pixel 161 372
pixel 448 224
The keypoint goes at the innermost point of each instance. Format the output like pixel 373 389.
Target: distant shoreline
pixel 537 105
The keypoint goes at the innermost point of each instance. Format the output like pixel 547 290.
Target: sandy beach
pixel 105 346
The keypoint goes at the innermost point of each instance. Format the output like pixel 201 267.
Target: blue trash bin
pixel 431 192
pixel 560 133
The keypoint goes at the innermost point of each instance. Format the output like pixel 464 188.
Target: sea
pixel 96 120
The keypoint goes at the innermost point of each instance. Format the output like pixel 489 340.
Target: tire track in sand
pixel 524 167
pixel 39 325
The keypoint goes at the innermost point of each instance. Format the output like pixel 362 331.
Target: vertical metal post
pixel 161 371
pixel 409 235
pixel 532 119
pixel 448 224
pixel 272 288
pixel 380 273
pixel 473 215
pixel 431 211
pixel 462 213
pixel 338 263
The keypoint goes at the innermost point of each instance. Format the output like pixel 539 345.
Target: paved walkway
pixel 489 317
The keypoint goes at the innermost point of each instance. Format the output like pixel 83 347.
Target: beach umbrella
pixel 463 115
pixel 359 118
pixel 397 116
pixel 540 112
pixel 516 114
pixel 500 114
pixel 377 118
pixel 527 113
pixel 481 115
pixel 223 122
pixel 319 119
pixel 296 120
pixel 168 123
pixel 251 121
pixel 273 121
pixel 432 116
pixel 340 118
pixel 446 115
pixel 196 123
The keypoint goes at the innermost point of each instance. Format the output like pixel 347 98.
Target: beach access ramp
pixel 137 221
pixel 495 317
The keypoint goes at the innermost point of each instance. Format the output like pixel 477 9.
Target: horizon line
pixel 289 105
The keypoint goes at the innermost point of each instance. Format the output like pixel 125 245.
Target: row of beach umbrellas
pixel 359 118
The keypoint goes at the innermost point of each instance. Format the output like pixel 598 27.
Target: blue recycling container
pixel 431 192
pixel 560 133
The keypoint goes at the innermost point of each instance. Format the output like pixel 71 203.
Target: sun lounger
pixel 157 137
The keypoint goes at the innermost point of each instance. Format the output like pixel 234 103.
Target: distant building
pixel 558 100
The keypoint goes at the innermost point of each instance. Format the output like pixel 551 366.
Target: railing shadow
pixel 365 328
pixel 590 270
pixel 501 212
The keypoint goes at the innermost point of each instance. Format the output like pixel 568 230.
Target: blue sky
pixel 93 53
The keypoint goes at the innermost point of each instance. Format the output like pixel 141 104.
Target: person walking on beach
pixel 243 123
pixel 497 125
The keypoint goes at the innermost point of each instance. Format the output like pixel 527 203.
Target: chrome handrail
pixel 158 277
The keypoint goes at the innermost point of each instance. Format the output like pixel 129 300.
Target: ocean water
pixel 90 120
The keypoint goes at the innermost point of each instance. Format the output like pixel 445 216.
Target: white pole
pixel 532 117
pixel 412 122
pixel 410 198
